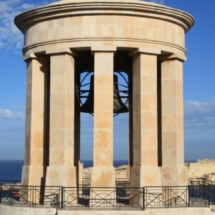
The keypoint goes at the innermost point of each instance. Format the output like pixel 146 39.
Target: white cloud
pixel 27 6
pixel 10 36
pixel 7 114
pixel 199 116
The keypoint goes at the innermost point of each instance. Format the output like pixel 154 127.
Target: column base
pixel 80 173
pixel 145 176
pixel 61 176
pixel 103 192
pixel 32 175
pixel 173 176
pixel 128 173
pixel 103 177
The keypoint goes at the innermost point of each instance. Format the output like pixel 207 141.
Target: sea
pixel 11 170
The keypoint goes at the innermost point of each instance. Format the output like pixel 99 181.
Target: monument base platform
pixel 8 210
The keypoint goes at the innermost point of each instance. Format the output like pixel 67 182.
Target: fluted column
pixel 33 169
pixel 145 170
pixel 173 170
pixel 103 172
pixel 61 170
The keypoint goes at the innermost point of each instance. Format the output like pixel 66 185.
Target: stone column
pixel 33 169
pixel 145 170
pixel 103 172
pixel 173 170
pixel 61 170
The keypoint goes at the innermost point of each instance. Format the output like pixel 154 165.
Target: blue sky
pixel 199 85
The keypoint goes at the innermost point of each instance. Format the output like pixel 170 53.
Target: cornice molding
pixel 59 51
pixel 73 40
pixel 166 57
pixel 135 8
pixel 103 49
pixel 29 57
pixel 150 51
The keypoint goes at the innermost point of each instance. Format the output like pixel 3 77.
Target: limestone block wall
pixel 154 38
pixel 121 27
pixel 115 23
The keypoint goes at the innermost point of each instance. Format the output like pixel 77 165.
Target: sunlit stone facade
pixel 153 37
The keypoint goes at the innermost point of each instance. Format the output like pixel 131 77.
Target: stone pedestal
pixel 173 176
pixel 61 176
pixel 80 173
pixel 103 177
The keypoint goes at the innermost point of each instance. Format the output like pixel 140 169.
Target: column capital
pixel 60 51
pixel 166 57
pixel 103 49
pixel 29 57
pixel 149 51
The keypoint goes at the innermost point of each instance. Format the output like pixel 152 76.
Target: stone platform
pixel 8 210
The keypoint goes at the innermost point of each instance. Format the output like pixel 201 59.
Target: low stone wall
pixel 177 211
pixel 9 210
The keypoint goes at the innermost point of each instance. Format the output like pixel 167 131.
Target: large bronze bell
pixel 118 105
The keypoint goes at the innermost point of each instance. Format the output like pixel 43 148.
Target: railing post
pixel 188 188
pixel 31 194
pixel 62 193
pixel 209 195
pixel 144 206
pixel 167 196
pixel 34 197
pixel 57 201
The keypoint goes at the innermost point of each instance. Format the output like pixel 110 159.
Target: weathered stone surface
pixel 150 33
pixel 8 210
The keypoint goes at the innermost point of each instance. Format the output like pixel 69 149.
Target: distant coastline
pixel 12 169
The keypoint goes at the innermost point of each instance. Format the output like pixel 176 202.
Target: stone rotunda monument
pixel 67 38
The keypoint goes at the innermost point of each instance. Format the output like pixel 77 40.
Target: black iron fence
pixel 30 196
pixel 113 198
pixel 200 195
pixel 166 197
pixel 102 198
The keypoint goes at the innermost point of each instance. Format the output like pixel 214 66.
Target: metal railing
pixel 107 198
pixel 166 197
pixel 200 195
pixel 30 196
